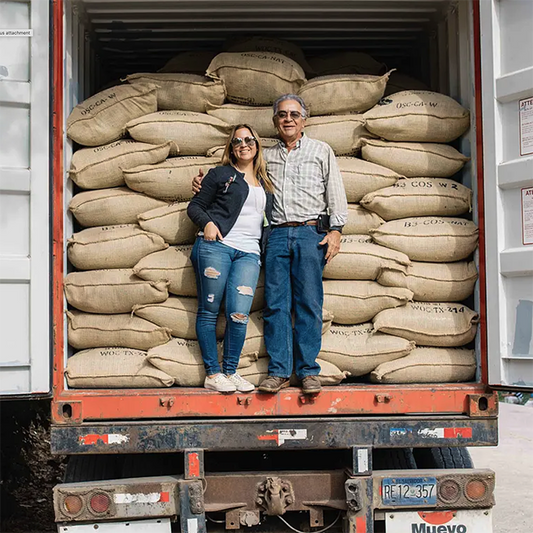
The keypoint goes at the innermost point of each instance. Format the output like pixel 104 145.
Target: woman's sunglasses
pixel 248 141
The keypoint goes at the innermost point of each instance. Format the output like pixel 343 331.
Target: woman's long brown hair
pixel 228 157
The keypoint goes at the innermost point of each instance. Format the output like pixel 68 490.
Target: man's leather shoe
pixel 273 384
pixel 311 385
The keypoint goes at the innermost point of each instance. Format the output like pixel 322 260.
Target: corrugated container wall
pixel 25 288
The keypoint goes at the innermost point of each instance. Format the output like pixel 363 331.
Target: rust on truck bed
pixel 75 406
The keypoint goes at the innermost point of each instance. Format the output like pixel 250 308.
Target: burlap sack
pixel 111 291
pixel 361 177
pixel 108 207
pixel 194 133
pixel 170 180
pixel 429 239
pixel 355 302
pixel 358 350
pixel 182 360
pixel 101 118
pixel 87 330
pixel 430 282
pixel 341 94
pixel 193 62
pixel 113 368
pixel 402 82
pixel 430 324
pixel 429 365
pixel 258 371
pixel 112 247
pixel 254 342
pixel 100 168
pixel 420 197
pixel 186 92
pixel 344 133
pixel 346 63
pixel 360 221
pixel 171 222
pixel 218 151
pixel 330 374
pixel 414 159
pixel 418 116
pixel 360 259
pixel 177 313
pixel 260 118
pixel 173 264
pixel 256 78
pixel 260 43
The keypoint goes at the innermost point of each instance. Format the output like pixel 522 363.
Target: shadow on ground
pixel 28 471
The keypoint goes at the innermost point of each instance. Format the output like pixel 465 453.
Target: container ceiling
pixel 134 35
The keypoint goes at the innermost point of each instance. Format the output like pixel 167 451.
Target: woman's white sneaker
pixel 241 384
pixel 220 383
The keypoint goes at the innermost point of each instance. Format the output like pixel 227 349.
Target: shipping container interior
pixel 431 40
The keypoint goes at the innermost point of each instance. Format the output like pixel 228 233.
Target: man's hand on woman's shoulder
pixel 197 182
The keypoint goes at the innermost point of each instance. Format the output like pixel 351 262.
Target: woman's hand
pixel 212 233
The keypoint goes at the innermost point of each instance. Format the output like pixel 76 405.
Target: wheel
pixel 91 468
pixel 394 459
pixel 443 457
pixel 148 465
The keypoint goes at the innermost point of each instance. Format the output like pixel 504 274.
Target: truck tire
pixel 394 459
pixel 91 468
pixel 443 457
pixel 148 465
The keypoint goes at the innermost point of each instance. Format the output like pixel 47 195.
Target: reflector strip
pixel 360 524
pixel 110 438
pixel 194 465
pixel 139 497
pixel 445 433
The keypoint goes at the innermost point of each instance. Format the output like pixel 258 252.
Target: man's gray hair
pixel 294 97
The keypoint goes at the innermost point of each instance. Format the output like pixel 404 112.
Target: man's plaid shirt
pixel 307 183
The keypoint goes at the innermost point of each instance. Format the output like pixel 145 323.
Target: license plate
pixel 409 491
pixel 478 521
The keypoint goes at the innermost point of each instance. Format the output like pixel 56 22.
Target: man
pixel 307 188
pixel 309 211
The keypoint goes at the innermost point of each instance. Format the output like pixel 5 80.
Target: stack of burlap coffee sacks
pixel 132 301
pixel 401 283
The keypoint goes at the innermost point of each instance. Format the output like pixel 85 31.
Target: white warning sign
pixel 526 126
pixel 527 215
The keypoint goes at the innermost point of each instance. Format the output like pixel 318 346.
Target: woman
pixel 233 212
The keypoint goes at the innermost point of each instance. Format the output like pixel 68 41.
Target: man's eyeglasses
pixel 294 115
pixel 248 141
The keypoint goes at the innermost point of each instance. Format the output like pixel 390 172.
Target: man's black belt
pixel 294 224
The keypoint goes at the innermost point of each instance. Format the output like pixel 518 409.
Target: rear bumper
pixel 271 434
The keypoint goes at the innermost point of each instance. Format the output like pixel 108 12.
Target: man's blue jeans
pixel 294 262
pixel 221 270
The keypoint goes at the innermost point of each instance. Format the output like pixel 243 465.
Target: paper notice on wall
pixel 526 126
pixel 527 215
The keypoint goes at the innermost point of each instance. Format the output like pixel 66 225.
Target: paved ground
pixel 512 460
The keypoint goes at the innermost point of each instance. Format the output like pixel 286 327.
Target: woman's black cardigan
pixel 220 200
